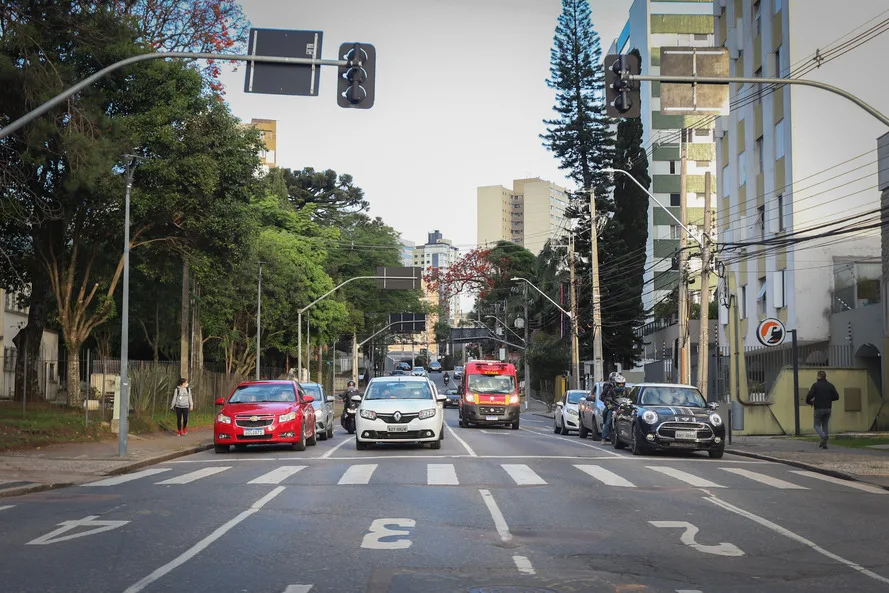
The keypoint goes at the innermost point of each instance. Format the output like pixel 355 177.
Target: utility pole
pixel 527 346
pixel 124 404
pixel 598 366
pixel 683 260
pixel 703 351
pixel 355 357
pixel 258 317
pixel 575 355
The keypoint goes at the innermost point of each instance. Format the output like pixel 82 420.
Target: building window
pixel 778 288
pixel 674 200
pixel 757 150
pixel 856 285
pixel 725 183
pixel 761 220
pixel 757 20
pixel 702 164
pixel 761 297
pixel 743 302
pixel 703 133
pixel 778 62
pixel 672 167
pixel 742 168
pixel 777 6
pixel 675 231
pixel 780 213
pixel 779 140
pixel 688 135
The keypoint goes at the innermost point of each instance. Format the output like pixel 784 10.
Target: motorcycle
pixel 350 408
pixel 446 380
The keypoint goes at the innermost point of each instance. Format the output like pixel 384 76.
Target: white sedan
pixel 565 417
pixel 400 409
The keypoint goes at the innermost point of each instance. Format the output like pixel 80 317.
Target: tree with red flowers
pixel 472 273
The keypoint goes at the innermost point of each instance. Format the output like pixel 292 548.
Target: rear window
pixel 313 390
pixel 575 396
pixel 251 394
pixel 398 390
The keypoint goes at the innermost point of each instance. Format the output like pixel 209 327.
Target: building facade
pixel 407 253
pixel 437 253
pixel 13 317
pixel 529 214
pixel 268 132
pixel 795 162
pixel 650 26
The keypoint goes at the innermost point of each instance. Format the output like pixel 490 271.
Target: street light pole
pixel 124 404
pixel 258 317
pixel 527 345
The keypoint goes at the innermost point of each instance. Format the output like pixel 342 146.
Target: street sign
pixel 407 323
pixel 283 79
pixel 685 98
pixel 399 278
pixel 771 332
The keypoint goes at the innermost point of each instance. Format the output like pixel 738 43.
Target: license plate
pixel 396 428
pixel 686 435
pixel 254 432
pixel 492 417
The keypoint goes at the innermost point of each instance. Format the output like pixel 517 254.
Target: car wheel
pixel 615 438
pixel 240 448
pixel 564 430
pixel 435 444
pixel 312 440
pixel 301 444
pixel 716 453
pixel 639 446
pixel 359 445
pixel 556 429
pixel 515 425
pixel 330 430
pixel 597 436
pixel 221 448
pixel 582 432
pixel 322 436
pixel 463 423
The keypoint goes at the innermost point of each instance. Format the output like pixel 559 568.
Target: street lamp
pixel 124 404
pixel 506 326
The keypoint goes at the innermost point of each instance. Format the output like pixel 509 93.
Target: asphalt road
pixel 493 508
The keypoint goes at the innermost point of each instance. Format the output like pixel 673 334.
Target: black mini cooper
pixel 665 416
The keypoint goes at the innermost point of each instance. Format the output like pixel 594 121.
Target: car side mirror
pixel 308 399
pixel 441 397
pixel 330 399
pixel 560 403
pixel 713 405
pixel 355 398
pixel 220 401
pixel 591 398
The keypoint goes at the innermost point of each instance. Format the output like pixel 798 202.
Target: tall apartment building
pixel 407 253
pixel 529 214
pixel 650 26
pixel 268 132
pixel 793 160
pixel 438 253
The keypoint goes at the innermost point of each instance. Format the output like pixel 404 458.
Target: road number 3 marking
pixel 395 539
pixel 688 538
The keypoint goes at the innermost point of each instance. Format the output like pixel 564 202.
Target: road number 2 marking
pixel 396 539
pixel 688 538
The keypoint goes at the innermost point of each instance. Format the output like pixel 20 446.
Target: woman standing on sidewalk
pixel 182 403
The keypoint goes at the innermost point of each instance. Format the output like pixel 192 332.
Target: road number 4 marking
pixel 688 538
pixel 95 527
pixel 395 539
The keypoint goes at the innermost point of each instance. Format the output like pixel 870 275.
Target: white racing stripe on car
pixel 763 479
pixel 358 474
pixel 609 478
pixel 441 474
pixel 523 475
pixel 682 476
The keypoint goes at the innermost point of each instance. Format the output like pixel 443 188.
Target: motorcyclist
pixel 351 389
pixel 447 378
pixel 611 391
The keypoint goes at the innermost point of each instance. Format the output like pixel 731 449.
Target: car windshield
pixel 673 396
pixel 418 369
pixel 452 392
pixel 398 390
pixel 314 391
pixel 272 392
pixel 491 383
pixel 575 396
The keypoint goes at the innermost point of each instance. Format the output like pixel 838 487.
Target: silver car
pixel 323 410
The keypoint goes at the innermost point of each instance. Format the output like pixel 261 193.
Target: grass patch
pixel 46 424
pixel 167 421
pixel 852 443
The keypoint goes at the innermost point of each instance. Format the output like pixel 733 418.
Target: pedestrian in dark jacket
pixel 821 397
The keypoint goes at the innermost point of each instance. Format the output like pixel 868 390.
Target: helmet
pixel 619 381
pixel 611 377
pixel 350 384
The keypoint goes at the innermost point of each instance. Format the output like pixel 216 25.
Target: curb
pixel 543 415
pixel 22 490
pixel 807 466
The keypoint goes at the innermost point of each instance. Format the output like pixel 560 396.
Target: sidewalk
pixel 66 464
pixel 860 464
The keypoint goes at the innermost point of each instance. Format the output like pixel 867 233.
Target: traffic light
pixel 355 85
pixel 621 94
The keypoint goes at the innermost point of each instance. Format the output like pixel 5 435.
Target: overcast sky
pixel 460 99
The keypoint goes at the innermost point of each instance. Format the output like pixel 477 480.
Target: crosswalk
pixel 513 474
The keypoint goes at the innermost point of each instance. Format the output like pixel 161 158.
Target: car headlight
pixel 649 417
pixel 223 419
pixel 287 417
pixel 513 399
pixel 715 420
pixel 368 414
pixel 572 412
pixel 427 413
pixel 470 398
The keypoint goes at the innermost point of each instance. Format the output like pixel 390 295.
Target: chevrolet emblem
pixel 397 416
pixel 254 418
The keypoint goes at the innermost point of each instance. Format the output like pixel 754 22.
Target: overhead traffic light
pixel 621 94
pixel 355 85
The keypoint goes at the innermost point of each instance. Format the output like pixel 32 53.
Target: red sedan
pixel 265 412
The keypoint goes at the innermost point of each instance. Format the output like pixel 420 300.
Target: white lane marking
pixel 576 441
pixel 684 477
pixel 441 474
pixel 300 588
pixel 187 555
pixel 689 591
pixel 524 565
pixel 129 477
pixel 523 475
pixel 278 475
pixel 849 483
pixel 607 477
pixel 495 432
pixel 195 475
pixel 461 441
pixel 688 538
pixel 379 529
pixel 6 506
pixel 499 521
pixel 65 526
pixel 798 538
pixel 330 452
pixel 763 479
pixel 358 474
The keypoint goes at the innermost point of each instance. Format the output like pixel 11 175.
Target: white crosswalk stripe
pixel 277 475
pixel 607 477
pixel 764 479
pixel 6 506
pixel 682 476
pixel 441 474
pixel 849 483
pixel 523 475
pixel 128 477
pixel 358 474
pixel 194 476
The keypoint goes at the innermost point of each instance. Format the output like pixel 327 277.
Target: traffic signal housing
pixel 355 85
pixel 622 97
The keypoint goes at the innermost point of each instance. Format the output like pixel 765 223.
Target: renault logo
pixel 254 418
pixel 397 416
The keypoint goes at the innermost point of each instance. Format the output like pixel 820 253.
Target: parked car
pixel 666 416
pixel 265 412
pixel 458 372
pixel 591 412
pixel 397 373
pixel 565 416
pixel 453 400
pixel 400 410
pixel 434 367
pixel 404 366
pixel 418 372
pixel 324 416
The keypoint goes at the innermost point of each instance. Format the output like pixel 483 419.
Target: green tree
pixel 548 356
pixel 332 197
